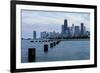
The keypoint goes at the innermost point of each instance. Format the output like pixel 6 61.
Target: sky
pixel 49 21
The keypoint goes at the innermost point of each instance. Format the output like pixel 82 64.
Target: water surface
pixel 64 51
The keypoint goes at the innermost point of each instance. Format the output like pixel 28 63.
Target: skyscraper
pixel 34 34
pixel 82 29
pixel 62 31
pixel 69 31
pixel 72 30
pixel 77 31
pixel 65 25
pixel 44 34
pixel 65 29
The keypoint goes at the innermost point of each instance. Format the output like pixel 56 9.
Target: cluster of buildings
pixel 74 31
pixel 50 34
pixel 66 32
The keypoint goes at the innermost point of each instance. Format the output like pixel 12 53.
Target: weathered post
pixel 51 45
pixel 45 48
pixel 31 55
pixel 31 41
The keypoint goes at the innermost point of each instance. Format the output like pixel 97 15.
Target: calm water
pixel 65 50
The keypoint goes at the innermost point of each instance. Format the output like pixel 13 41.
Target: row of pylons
pixel 32 51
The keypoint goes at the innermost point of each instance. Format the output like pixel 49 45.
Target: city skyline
pixel 50 21
pixel 66 32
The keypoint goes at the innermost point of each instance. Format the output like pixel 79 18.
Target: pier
pixel 46 44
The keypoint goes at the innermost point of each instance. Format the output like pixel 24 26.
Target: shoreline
pixel 57 39
pixel 75 39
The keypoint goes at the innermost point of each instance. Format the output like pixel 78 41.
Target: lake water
pixel 64 51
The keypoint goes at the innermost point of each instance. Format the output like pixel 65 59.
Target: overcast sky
pixel 50 21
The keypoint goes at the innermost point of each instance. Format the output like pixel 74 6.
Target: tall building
pixel 66 32
pixel 34 34
pixel 44 34
pixel 77 31
pixel 62 27
pixel 65 29
pixel 69 31
pixel 65 25
pixel 72 30
pixel 82 29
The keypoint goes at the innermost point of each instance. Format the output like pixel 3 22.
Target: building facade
pixel 34 34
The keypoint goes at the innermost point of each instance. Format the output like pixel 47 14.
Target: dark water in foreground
pixel 64 51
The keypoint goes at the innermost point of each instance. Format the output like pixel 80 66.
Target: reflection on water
pixel 65 50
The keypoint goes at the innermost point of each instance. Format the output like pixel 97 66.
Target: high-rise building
pixel 65 29
pixel 69 31
pixel 82 29
pixel 72 30
pixel 65 25
pixel 66 33
pixel 34 34
pixel 44 34
pixel 77 31
pixel 62 31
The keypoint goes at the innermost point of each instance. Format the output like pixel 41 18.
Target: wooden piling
pixel 51 45
pixel 31 41
pixel 45 48
pixel 31 55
